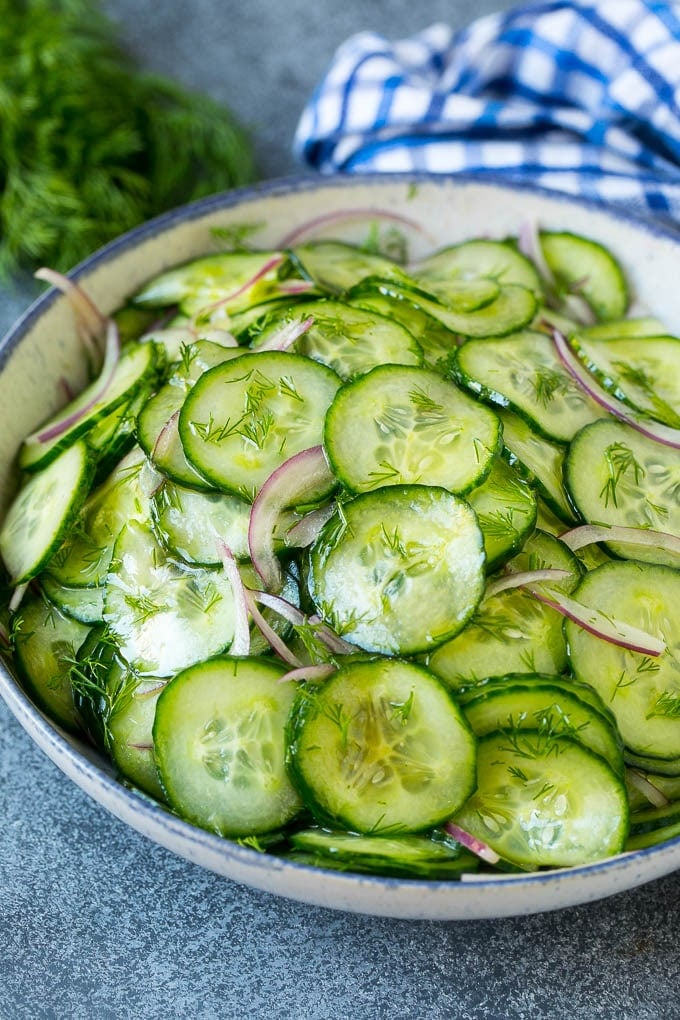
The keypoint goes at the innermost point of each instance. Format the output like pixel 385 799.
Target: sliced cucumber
pixel 83 558
pixel 545 801
pixel 164 617
pixel 545 704
pixel 506 512
pixel 243 419
pixel 46 644
pixel 83 604
pixel 191 523
pixel 398 426
pixel 653 825
pixel 514 308
pixel 349 340
pixel 539 461
pixel 410 856
pixel 219 744
pixel 434 339
pixel 616 475
pixel 644 373
pixel 381 748
pixel 511 631
pixel 398 570
pixel 524 373
pixel 232 278
pixel 585 267
pixel 138 363
pixel 335 266
pixel 157 422
pixel 43 511
pixel 494 260
pixel 642 691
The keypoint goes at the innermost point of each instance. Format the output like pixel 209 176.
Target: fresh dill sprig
pixel 90 145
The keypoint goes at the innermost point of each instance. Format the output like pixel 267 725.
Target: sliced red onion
pixel 306 475
pixel 320 671
pixel 306 531
pixel 277 643
pixel 347 215
pixel 240 644
pixel 524 577
pixel 283 338
pixel 647 427
pixel 614 631
pixel 17 597
pixel 293 288
pixel 289 612
pixel 166 436
pixel 98 390
pixel 589 534
pixel 650 792
pixel 471 843
pixel 90 322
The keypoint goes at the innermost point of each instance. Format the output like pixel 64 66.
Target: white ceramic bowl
pixel 42 348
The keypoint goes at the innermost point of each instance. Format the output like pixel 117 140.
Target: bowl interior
pixel 43 350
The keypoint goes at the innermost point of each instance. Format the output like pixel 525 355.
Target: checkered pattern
pixel 579 97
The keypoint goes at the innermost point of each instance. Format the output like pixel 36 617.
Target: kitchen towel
pixel 579 97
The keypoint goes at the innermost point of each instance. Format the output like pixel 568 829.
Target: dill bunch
pixel 89 145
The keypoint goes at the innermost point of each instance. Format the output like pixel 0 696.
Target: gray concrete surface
pixel 97 922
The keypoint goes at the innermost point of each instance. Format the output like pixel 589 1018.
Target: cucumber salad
pixel 368 563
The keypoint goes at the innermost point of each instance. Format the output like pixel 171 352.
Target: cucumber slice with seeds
pixel 398 425
pixel 219 744
pixel 616 475
pixel 642 691
pixel 191 523
pixel 349 340
pixel 545 801
pixel 398 570
pixel 381 748
pixel 524 373
pixel 243 419
pixel 162 616
pixel 335 266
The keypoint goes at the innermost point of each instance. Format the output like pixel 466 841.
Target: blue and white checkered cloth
pixel 579 97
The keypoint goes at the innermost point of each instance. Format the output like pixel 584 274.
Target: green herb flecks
pixel 621 464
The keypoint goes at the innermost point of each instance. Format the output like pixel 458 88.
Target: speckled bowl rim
pixel 474 899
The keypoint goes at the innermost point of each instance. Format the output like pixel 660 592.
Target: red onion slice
pixel 652 429
pixel 320 671
pixel 589 534
pixel 304 476
pixel 519 580
pixel 345 216
pixel 90 322
pixel 306 531
pixel 277 643
pixel 573 304
pixel 283 338
pixel 98 391
pixel 647 789
pixel 471 843
pixel 616 632
pixel 289 612
pixel 240 644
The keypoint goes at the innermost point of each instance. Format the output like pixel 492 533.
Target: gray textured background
pixel 97 922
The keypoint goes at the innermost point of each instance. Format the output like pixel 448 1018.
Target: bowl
pixel 42 348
